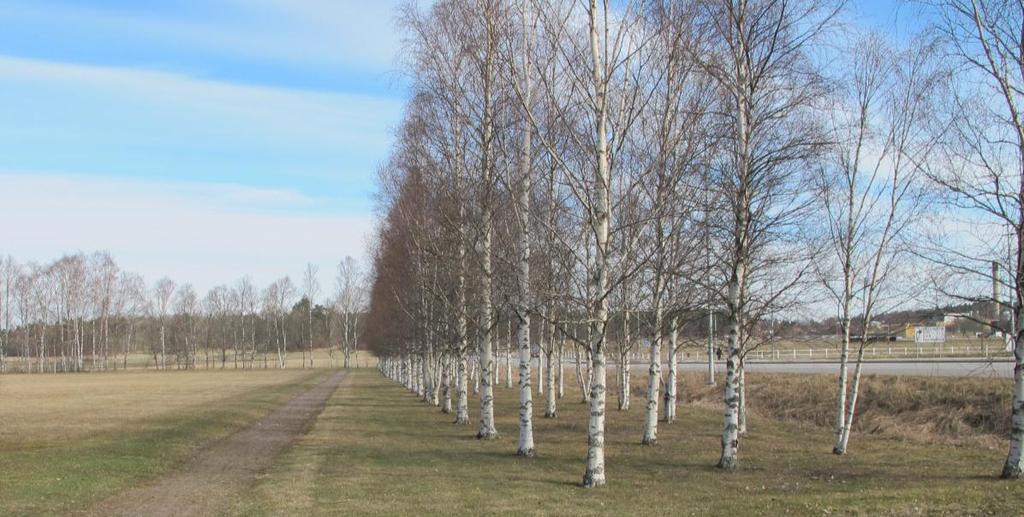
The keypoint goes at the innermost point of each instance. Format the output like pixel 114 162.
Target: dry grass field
pixel 378 450
pixel 923 446
pixel 930 410
pixel 50 410
pixel 68 440
pixel 322 358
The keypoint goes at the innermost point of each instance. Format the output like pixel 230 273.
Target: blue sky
pixel 202 139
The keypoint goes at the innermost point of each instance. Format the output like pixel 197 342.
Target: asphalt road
pixel 941 368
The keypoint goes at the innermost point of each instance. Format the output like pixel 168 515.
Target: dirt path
pixel 204 486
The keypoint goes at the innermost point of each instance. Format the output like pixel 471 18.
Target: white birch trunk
pixel 1014 466
pixel 461 366
pixel 653 377
pixel 437 377
pixel 498 355
pixel 742 416
pixel 851 405
pixel 474 375
pixel 486 430
pixel 508 356
pixel 581 353
pixel 280 356
pixel 594 475
pixel 624 364
pixel 550 406
pixel 425 377
pixel 310 331
pixel 671 381
pixel 163 349
pixel 526 445
pixel 711 346
pixel 730 431
pixel 540 372
pixel 446 385
pixel 561 367
pixel 844 351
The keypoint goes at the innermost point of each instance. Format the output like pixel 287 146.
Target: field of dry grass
pixel 50 410
pixel 69 439
pixel 922 445
pixel 376 449
pixel 957 411
pixel 322 358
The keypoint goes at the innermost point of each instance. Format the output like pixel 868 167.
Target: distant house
pixel 925 333
pixel 950 319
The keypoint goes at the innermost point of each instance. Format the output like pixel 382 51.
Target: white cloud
pixel 294 115
pixel 204 234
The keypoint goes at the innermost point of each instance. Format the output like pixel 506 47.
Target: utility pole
pixel 711 346
pixel 995 293
pixel 711 311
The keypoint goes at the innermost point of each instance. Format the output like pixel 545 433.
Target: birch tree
pixel 869 188
pixel 132 294
pixel 599 102
pixel 350 296
pixel 762 69
pixel 981 171
pixel 9 272
pixel 106 275
pixel 484 58
pixel 523 192
pixel 163 292
pixel 311 288
pixel 677 127
pixel 186 305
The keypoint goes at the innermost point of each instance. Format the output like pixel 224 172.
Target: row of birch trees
pixel 581 182
pixel 84 313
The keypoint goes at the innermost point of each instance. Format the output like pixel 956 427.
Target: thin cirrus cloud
pixel 136 122
pixel 355 34
pixel 295 115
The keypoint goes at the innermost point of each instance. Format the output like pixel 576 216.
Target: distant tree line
pixel 84 313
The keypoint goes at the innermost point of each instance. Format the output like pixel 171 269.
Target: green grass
pixel 377 450
pixel 59 478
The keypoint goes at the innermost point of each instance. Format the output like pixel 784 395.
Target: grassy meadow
pixel 68 440
pixel 205 360
pixel 924 446
pixel 377 450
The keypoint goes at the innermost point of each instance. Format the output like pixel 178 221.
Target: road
pixel 933 368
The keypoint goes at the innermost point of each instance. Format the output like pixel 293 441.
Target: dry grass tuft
pixel 957 411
